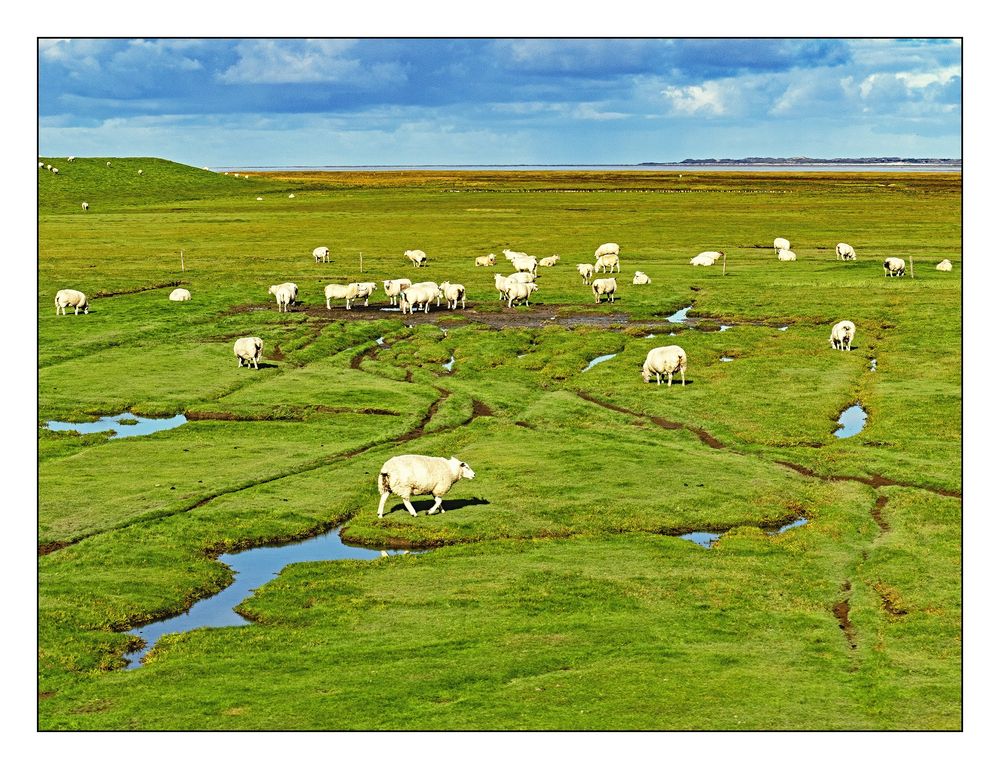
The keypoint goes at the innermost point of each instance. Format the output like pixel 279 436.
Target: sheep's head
pixel 463 468
pixel 645 374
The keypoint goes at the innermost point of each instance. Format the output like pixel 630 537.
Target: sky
pixel 387 101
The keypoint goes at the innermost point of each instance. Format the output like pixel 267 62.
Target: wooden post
pixel 182 260
pixel 723 264
pixel 361 261
pixel 911 266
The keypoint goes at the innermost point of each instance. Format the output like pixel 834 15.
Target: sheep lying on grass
pixel 706 258
pixel 782 243
pixel 944 266
pixel 180 295
pixel 604 287
pixel 418 257
pixel 842 335
pixel 453 293
pixel 69 297
pixel 845 252
pixel 486 261
pixel 784 255
pixel 392 288
pixel 410 475
pixel 549 261
pixel 249 349
pixel 586 272
pixel 665 361
pixel 894 266
pixel 641 279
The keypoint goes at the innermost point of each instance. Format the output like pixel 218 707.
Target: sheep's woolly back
pixel 664 360
pixel 413 474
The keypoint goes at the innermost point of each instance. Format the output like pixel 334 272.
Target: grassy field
pixel 554 595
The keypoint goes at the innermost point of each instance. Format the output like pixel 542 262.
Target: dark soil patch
pixel 876 481
pixel 842 611
pixel 50 547
pixel 277 354
pixel 880 503
pixel 480 409
pixel 705 437
pixel 142 289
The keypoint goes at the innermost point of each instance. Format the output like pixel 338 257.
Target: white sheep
pixel 604 287
pixel 140 172
pixel 418 257
pixel 41 164
pixel 665 361
pixel 321 254
pixel 549 261
pixel 71 158
pixel 108 164
pixel 518 291
pixel 291 195
pixel 55 170
pixel 180 295
pixel 525 264
pixel 784 255
pixel 453 293
pixel 283 294
pixel 259 198
pixel 340 291
pixel 713 255
pixel 641 279
pixel 69 297
pixel 702 261
pixel 500 281
pixel 586 272
pixel 607 248
pixel 521 277
pixel 85 206
pixel 393 287
pixel 410 475
pixel 249 349
pixel 944 266
pixel 510 256
pixel 364 290
pixel 894 266
pixel 782 243
pixel 48 166
pixel 845 252
pixel 419 294
pixel 607 262
pixel 842 335
pixel 486 261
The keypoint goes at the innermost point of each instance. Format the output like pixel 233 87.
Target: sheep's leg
pixel 406 502
pixel 670 379
pixel 328 304
pixel 682 378
pixel 239 362
pixel 436 506
pixel 381 504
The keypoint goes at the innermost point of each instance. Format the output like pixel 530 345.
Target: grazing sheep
pixel 525 264
pixel 108 164
pixel 665 361
pixel 549 261
pixel 944 266
pixel 418 257
pixel 48 166
pixel 419 294
pixel 782 243
pixel 85 206
pixel 340 291
pixel 845 252
pixel 486 261
pixel 248 348
pixel 365 290
pixel 608 261
pixel 703 261
pixel 510 256
pixel 411 475
pixel 41 164
pixel 586 272
pixel 517 291
pixel 521 277
pixel 607 248
pixel 180 295
pixel 894 266
pixel 453 292
pixel 283 294
pixel 321 254
pixel 641 279
pixel 55 170
pixel 71 158
pixel 604 287
pixel 393 287
pixel 842 335
pixel 784 255
pixel 69 297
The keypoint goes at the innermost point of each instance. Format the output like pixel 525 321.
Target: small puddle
pixel 708 538
pixel 649 336
pixel 380 341
pixel 449 365
pixel 599 359
pixel 389 309
pixel 252 568
pixel 874 364
pixel 724 359
pixel 782 328
pixel 142 426
pixel 681 315
pixel 851 420
pixel 724 328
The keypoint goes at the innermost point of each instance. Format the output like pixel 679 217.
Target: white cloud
pixel 692 99
pixel 308 61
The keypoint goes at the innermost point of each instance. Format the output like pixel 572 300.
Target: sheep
pixel 521 277
pixel 782 243
pixel 842 335
pixel 321 254
pixel 418 257
pixel 283 295
pixel 48 166
pixel 510 256
pixel 393 287
pixel 845 252
pixel 713 255
pixel 419 293
pixel 248 348
pixel 702 261
pixel 549 261
pixel 410 475
pixel 55 170
pixel 180 295
pixel 500 281
pixel 784 255
pixel 108 164
pixel 71 158
pixel 85 206
pixel 586 272
pixel 291 195
pixel 140 172
pixel 608 261
pixel 525 264
pixel 607 249
pixel 604 287
pixel 365 290
pixel 41 164
pixel 894 266
pixel 259 198
pixel 453 292
pixel 486 261
pixel 665 360
pixel 944 266
pixel 641 279
pixel 69 297
pixel 519 291
pixel 340 291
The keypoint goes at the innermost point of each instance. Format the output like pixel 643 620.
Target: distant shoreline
pixel 829 167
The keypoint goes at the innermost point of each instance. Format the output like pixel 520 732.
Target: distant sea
pixel 804 167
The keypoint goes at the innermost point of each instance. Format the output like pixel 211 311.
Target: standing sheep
pixel 500 281
pixel 364 290
pixel 55 170
pixel 845 252
pixel 784 255
pixel 453 292
pixel 519 291
pixel 665 361
pixel 418 257
pixel 249 349
pixel 69 297
pixel 607 262
pixel 340 291
pixel 85 206
pixel 604 287
pixel 782 243
pixel 510 256
pixel 641 279
pixel 393 287
pixel 108 164
pixel 842 335
pixel 140 172
pixel 180 295
pixel 525 264
pixel 944 266
pixel 894 266
pixel 410 475
pixel 321 254
pixel 419 294
pixel 486 261
pixel 586 272
pixel 283 295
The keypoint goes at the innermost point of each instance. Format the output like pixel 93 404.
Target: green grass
pixel 556 597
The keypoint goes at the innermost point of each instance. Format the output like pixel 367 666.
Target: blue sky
pixel 219 102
